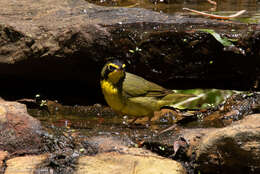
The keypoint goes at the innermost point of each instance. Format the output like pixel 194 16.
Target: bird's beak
pixel 121 68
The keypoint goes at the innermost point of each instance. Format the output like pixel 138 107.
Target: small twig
pixel 216 16
pixel 168 129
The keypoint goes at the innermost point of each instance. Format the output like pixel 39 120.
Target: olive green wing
pixel 135 86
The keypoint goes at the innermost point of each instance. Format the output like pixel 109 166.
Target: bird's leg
pixel 148 123
pixel 132 122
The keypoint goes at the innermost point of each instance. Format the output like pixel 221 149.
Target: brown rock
pixel 234 148
pixel 19 131
pixel 24 165
pixel 113 156
pixel 107 144
pixel 113 162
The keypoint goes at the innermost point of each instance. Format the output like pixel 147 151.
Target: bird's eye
pixel 111 68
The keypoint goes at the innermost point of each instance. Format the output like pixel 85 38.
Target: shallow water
pixel 212 110
pixel 223 7
pixel 101 120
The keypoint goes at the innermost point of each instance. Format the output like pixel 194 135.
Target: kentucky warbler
pixel 132 95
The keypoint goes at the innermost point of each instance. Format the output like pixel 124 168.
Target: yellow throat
pixel 112 95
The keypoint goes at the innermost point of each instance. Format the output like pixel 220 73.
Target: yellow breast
pixel 112 95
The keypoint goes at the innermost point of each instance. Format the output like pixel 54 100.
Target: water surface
pixel 223 7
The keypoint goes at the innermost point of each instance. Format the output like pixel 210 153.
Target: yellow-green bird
pixel 132 95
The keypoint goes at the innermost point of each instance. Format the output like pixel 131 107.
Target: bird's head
pixel 113 71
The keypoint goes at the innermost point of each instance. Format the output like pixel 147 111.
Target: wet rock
pixel 213 150
pixel 64 147
pixel 235 108
pixel 234 148
pixel 100 144
pixel 24 165
pixel 222 150
pixel 19 130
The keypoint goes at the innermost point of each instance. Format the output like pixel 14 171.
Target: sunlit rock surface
pixel 113 156
pixel 113 162
pixel 24 165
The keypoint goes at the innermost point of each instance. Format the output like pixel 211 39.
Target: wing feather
pixel 135 86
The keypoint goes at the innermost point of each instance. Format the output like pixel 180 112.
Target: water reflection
pixel 223 7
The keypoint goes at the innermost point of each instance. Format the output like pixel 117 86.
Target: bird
pixel 132 95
